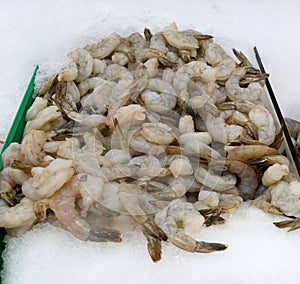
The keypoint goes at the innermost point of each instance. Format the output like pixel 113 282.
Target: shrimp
pixel 186 124
pixel 157 133
pixel 46 181
pixel 22 214
pixel 139 144
pixel 264 122
pixel 240 105
pixel 89 84
pixel 98 67
pixel 221 131
pixel 100 98
pixel 180 40
pixel 105 47
pixel 62 203
pixel 38 105
pixel 132 114
pixel 68 74
pixel 274 174
pixel 203 137
pixel 181 167
pixel 91 120
pixel 72 94
pixel 248 182
pixel 242 119
pixel 151 66
pixel 43 119
pixel 197 70
pixel 216 57
pixel 84 62
pixel 145 166
pixel 180 219
pixel 11 154
pixel 285 196
pixel 157 42
pixel 203 150
pixel 32 146
pixel 245 153
pixel 215 181
pixel 159 96
pixel 116 72
pixel 252 93
pixel 119 58
pixel 270 160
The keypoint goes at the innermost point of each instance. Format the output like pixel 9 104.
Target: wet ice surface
pixel 43 32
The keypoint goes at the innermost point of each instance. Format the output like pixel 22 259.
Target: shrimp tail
pixel 204 247
pixel 105 235
pixel 291 224
pixel 153 246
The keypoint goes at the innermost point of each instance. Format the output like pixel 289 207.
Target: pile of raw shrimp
pixel 162 132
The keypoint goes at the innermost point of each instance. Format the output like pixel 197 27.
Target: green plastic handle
pixel 15 133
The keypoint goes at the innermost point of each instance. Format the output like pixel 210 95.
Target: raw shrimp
pixel 68 74
pixel 180 219
pixel 43 119
pixel 84 62
pixel 89 84
pixel 100 98
pixel 222 132
pixel 245 153
pixel 264 122
pixel 141 145
pixel 158 133
pixel 159 96
pixel 11 154
pixel 248 182
pixel 151 66
pixel 119 58
pixel 252 93
pixel 158 42
pixel 175 188
pixel 180 40
pixel 240 105
pixel 203 150
pixel 38 105
pixel 32 146
pixel 203 137
pixel 145 166
pixel 72 95
pixel 243 120
pixel 216 57
pixel 216 182
pixel 105 47
pixel 98 67
pixel 274 174
pixel 46 181
pixel 132 114
pixel 63 205
pixel 180 166
pixel 186 124
pixel 19 215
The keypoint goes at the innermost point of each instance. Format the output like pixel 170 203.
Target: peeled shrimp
pixel 84 62
pixel 46 181
pixel 264 122
pixel 19 215
pixel 180 219
pixel 104 47
pixel 180 40
pixel 252 93
pixel 63 205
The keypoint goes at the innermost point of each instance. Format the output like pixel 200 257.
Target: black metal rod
pixel 279 114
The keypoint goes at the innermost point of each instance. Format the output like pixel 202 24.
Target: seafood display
pixel 163 132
